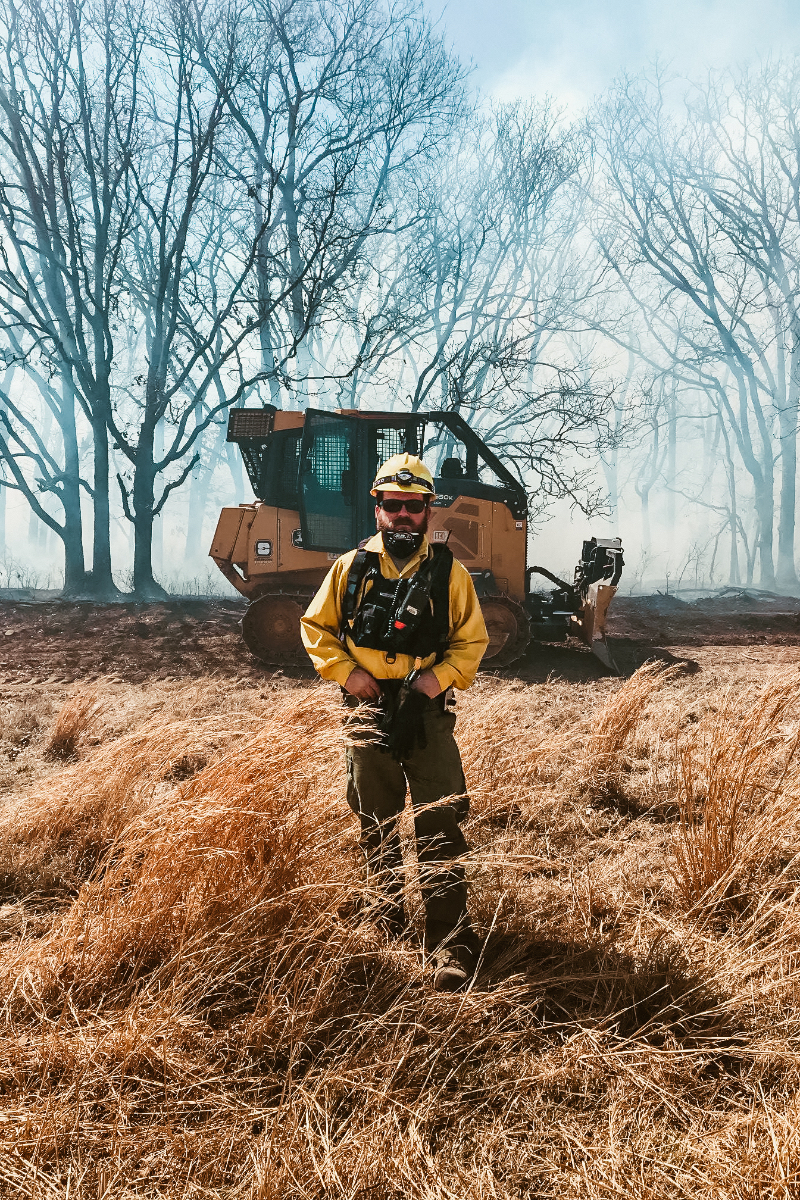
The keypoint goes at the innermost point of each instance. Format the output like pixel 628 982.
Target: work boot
pixel 453 966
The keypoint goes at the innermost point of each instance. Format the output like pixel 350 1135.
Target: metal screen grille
pixel 249 423
pixel 329 458
pixel 392 439
pixel 390 442
pixel 327 468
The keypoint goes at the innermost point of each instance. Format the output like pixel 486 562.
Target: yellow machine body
pixel 482 535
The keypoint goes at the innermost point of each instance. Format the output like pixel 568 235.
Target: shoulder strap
pixel 440 597
pixel 361 564
pixel 442 558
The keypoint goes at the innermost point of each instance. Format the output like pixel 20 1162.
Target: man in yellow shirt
pixel 397 624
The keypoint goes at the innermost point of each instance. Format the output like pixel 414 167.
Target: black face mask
pixel 402 543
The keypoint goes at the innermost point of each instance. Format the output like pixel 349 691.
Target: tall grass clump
pixel 209 872
pixel 600 761
pixel 739 792
pixel 569 745
pixel 72 722
pixel 81 811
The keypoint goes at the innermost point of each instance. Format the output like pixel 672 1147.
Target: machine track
pixel 509 630
pixel 271 626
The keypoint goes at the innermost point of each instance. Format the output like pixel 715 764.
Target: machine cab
pixel 320 465
pixel 340 454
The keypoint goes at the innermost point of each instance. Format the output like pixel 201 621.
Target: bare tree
pixel 67 132
pixel 339 104
pixel 472 306
pixel 127 278
pixel 190 312
pixel 752 180
pixel 40 472
pixel 704 307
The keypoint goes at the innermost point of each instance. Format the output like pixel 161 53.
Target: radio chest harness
pixel 399 616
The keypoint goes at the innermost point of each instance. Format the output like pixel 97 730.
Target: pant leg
pixel 376 792
pixel 435 771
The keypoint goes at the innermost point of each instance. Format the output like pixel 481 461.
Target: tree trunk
pixel 74 563
pixel 100 581
pixel 672 462
pixel 644 496
pixel 198 496
pixel 157 536
pixel 750 553
pixel 72 538
pixel 267 349
pixel 75 580
pixel 144 477
pixel 37 530
pixel 157 544
pixel 764 486
pixel 144 585
pixel 734 575
pixel 296 313
pixel 234 460
pixel 786 575
pixel 263 286
pixel 765 513
pixel 734 572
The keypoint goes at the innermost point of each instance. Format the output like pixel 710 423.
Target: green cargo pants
pixel 376 791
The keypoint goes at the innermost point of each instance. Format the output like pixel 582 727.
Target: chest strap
pixel 440 597
pixel 363 562
pixel 437 569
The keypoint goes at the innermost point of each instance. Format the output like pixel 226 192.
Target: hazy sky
pixel 574 48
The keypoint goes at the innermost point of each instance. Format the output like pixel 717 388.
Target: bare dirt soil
pixel 740 617
pixel 63 642
pixel 196 1004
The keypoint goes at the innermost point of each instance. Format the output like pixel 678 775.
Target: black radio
pixel 410 604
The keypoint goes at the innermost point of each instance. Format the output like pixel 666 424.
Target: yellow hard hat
pixel 404 473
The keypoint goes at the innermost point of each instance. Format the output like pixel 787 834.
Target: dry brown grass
pixel 739 792
pixel 194 1007
pixel 72 722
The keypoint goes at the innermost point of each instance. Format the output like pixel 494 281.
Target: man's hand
pixel 426 683
pixel 362 685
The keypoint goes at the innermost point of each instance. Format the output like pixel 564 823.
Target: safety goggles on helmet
pixel 405 478
pixel 410 504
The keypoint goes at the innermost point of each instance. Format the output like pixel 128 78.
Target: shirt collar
pixel 375 543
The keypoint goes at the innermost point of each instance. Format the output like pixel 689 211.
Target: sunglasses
pixel 414 507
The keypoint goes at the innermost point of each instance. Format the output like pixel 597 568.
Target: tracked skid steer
pixel 311 472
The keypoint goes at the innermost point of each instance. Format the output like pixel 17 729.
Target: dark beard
pixel 402 543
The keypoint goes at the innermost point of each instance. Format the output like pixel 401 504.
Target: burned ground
pixel 72 642
pixel 66 642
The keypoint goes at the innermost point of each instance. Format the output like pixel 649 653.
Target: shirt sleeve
pixel 468 637
pixel 320 624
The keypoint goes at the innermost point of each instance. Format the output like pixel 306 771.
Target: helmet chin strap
pixel 402 543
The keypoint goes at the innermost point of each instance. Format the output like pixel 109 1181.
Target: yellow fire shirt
pixel 335 660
